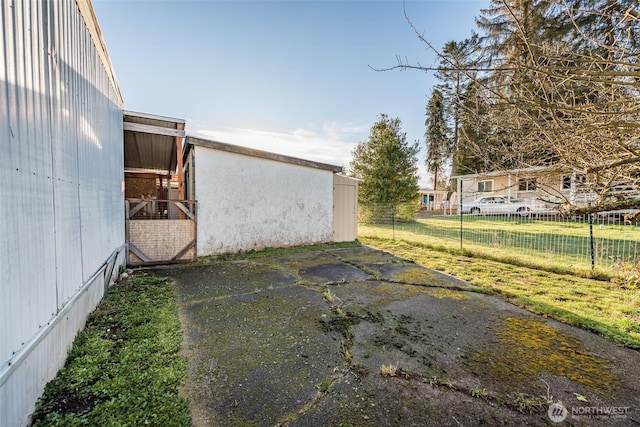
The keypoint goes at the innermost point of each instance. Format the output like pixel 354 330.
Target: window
pixel 579 179
pixel 485 186
pixel 623 187
pixel 527 184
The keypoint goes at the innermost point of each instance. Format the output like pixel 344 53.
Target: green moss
pixel 529 347
pixel 254 323
pixel 238 422
pixel 395 291
pixel 268 252
pixel 415 275
pixel 447 293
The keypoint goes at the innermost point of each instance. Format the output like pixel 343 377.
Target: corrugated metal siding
pixel 61 168
pixel 17 394
pixel 27 253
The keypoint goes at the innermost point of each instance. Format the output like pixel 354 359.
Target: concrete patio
pixel 357 337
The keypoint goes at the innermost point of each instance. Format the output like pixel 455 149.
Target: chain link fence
pixel 578 243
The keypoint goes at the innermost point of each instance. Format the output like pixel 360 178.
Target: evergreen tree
pixel 455 73
pixel 439 143
pixel 386 164
pixel 600 26
pixel 475 130
pixel 516 32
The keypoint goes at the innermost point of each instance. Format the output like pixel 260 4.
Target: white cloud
pixel 332 145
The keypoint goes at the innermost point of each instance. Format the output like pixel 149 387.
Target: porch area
pixel 160 222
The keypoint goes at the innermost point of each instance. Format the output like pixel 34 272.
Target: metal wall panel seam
pixel 49 77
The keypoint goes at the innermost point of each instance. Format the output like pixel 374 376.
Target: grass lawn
pixel 610 308
pixel 124 367
pixel 560 245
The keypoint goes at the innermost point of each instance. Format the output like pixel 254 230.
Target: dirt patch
pixel 357 337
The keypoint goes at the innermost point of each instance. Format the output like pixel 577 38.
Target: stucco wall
pixel 249 203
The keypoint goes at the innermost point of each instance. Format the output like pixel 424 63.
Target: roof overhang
pixel 503 172
pixel 151 142
pixel 427 191
pixel 246 151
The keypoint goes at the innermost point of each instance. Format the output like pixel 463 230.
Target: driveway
pixel 358 337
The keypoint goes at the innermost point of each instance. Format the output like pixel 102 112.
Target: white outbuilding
pixel 250 199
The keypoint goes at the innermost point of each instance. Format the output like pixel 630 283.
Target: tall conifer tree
pixel 439 142
pixel 386 164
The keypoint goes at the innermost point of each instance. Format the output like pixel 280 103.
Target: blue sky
pixel 292 77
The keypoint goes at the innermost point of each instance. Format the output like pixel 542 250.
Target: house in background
pixel 527 183
pixel 432 200
pixel 62 228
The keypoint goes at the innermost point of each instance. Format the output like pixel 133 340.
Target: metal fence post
pixel 591 243
pixel 460 208
pixel 393 220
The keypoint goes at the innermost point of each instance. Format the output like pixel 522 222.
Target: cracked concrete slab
pixel 357 337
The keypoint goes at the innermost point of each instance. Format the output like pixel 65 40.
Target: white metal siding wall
pixel 247 203
pixel 61 168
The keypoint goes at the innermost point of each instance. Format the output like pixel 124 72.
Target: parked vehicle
pixel 500 205
pixel 620 215
pixel 623 215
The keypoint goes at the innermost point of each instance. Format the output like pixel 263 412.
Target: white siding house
pixel 527 183
pixel 61 168
pixel 250 199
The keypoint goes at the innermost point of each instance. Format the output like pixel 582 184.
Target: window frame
pixel 579 180
pixel 527 184
pixel 484 190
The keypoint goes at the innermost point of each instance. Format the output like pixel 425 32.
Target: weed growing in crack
pixel 389 370
pixel 334 302
pixel 328 296
pixel 481 393
pixel 346 351
pixel 436 382
pixel 303 282
pixel 527 404
pixel 325 385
